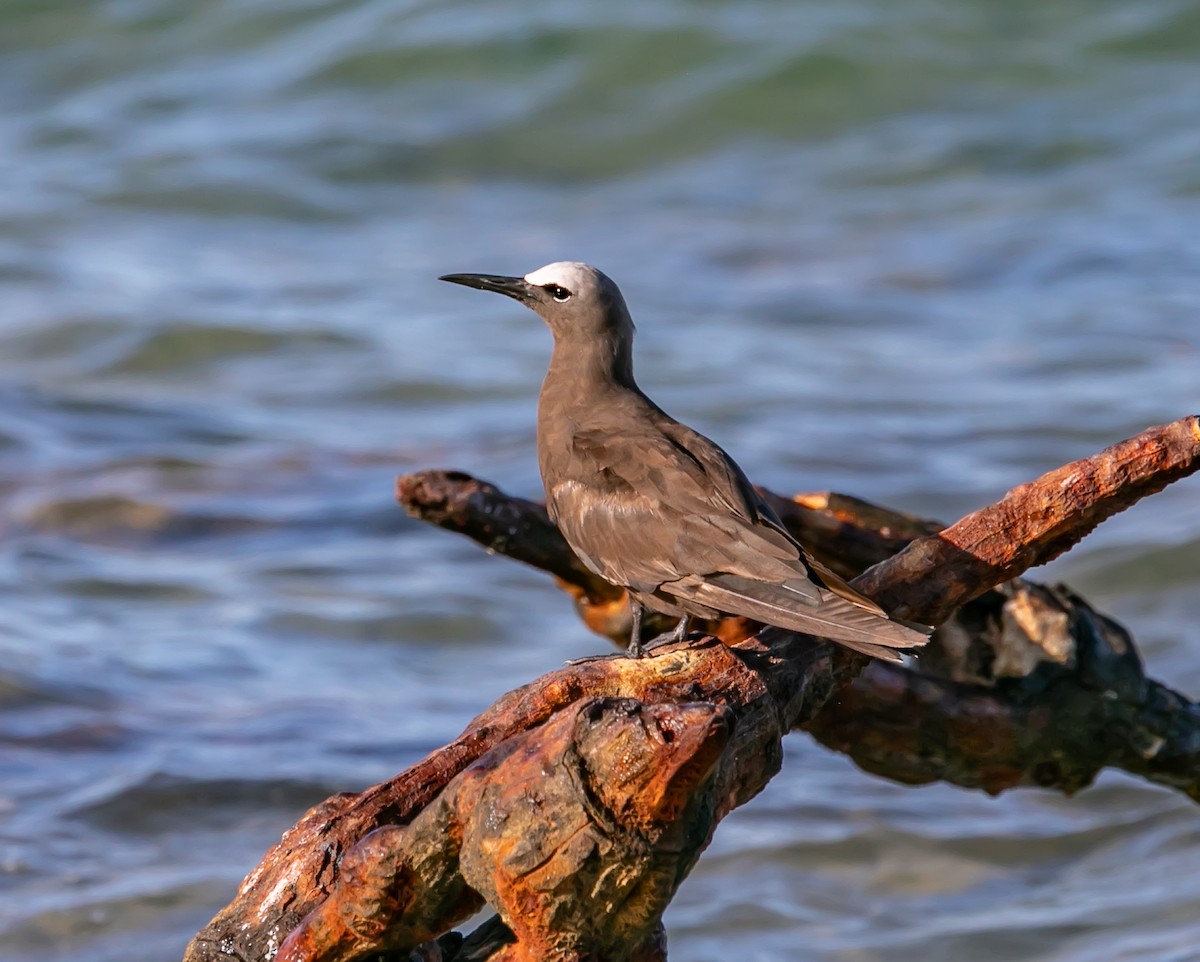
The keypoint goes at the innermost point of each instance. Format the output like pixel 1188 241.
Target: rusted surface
pixel 1032 524
pixel 1084 705
pixel 533 827
pixel 302 869
pixel 1025 685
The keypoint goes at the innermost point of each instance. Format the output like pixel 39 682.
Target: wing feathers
pixel 839 586
pixel 835 619
pixel 666 512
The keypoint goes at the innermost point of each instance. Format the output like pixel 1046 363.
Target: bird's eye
pixel 560 294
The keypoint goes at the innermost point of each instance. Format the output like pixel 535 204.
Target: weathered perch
pixel 576 805
pixel 1023 685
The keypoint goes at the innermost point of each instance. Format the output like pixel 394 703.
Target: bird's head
pixel 575 300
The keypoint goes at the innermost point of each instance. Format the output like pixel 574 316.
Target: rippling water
pixel 917 251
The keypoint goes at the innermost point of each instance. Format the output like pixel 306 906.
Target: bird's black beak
pixel 516 287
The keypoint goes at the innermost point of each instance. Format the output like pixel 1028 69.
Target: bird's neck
pixel 584 382
pixel 583 369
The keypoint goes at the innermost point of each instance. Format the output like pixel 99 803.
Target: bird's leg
pixel 676 634
pixel 634 649
pixel 636 610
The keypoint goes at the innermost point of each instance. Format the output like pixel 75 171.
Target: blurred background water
pixel 915 251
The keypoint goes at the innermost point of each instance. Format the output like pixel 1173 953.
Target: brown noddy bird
pixel 656 508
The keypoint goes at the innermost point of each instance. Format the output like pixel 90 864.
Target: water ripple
pixel 917 253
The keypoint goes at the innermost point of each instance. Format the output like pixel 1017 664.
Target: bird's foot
pixel 636 649
pixel 674 636
pixel 583 661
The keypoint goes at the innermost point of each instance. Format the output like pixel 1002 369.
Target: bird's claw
pixel 589 658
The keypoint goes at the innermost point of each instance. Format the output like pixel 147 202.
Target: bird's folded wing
pixel 839 586
pixel 725 478
pixel 618 533
pixel 681 515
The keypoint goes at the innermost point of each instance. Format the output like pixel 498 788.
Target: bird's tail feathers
pixel 835 618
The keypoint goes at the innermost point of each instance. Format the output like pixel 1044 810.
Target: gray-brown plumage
pixel 652 506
